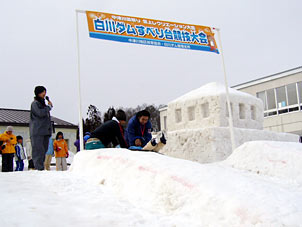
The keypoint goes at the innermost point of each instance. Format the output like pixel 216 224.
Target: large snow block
pixel 212 144
pixel 207 107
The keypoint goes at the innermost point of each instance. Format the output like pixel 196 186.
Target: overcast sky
pixel 38 47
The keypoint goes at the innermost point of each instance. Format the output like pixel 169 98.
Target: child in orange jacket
pixel 61 152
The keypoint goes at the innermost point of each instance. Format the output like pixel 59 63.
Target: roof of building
pixel 269 78
pixel 16 117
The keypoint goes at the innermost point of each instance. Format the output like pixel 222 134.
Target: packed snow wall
pixel 213 144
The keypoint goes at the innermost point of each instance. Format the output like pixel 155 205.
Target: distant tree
pixel 93 120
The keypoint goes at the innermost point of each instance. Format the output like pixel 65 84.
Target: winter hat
pixel 39 90
pixel 9 129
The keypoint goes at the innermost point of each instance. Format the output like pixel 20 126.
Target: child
pixel 20 154
pixel 49 155
pixel 61 152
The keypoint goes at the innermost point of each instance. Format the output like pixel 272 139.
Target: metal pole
pixel 231 126
pixel 81 138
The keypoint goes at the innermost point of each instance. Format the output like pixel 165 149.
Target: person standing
pixel 9 140
pixel 20 154
pixel 49 154
pixel 28 149
pixel 40 127
pixel 61 152
pixel 138 132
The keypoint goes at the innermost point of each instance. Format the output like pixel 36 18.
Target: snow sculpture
pixel 197 124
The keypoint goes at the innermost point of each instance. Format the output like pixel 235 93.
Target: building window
pixel 178 115
pixel 205 110
pixel 253 112
pixel 271 99
pixel 191 113
pixel 262 96
pixel 165 122
pixel 299 85
pixel 292 97
pixel 241 111
pixel 282 99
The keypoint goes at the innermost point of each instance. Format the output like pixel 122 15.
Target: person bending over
pixel 138 132
pixel 111 132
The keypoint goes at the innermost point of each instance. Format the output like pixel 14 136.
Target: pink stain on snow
pixel 280 161
pixel 182 181
pixel 104 157
pixel 142 168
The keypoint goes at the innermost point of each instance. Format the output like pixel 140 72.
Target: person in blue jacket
pixel 138 132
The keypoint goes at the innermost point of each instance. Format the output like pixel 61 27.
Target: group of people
pixel 41 148
pixel 11 147
pixel 136 136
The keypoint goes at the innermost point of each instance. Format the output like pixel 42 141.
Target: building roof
pixel 269 78
pixel 17 117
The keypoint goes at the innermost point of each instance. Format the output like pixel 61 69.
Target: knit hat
pixel 9 129
pixel 39 90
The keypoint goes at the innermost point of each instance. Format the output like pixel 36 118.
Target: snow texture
pixel 276 159
pixel 217 194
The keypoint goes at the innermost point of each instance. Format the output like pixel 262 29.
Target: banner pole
pixel 81 133
pixel 231 126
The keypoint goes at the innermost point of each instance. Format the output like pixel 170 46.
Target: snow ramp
pixel 196 194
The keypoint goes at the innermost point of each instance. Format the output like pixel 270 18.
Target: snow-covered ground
pixel 258 185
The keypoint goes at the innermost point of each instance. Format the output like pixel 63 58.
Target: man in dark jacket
pixel 111 132
pixel 138 132
pixel 40 127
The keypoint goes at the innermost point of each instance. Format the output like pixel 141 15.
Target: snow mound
pixel 272 158
pixel 210 89
pixel 198 195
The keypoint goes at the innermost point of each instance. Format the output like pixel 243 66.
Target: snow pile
pixel 197 195
pixel 277 159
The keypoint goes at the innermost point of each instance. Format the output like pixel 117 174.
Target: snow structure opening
pixel 197 124
pixel 260 184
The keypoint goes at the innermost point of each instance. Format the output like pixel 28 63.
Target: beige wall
pixel 272 84
pixel 288 122
pixel 69 134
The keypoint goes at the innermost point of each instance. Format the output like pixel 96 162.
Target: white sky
pixel 38 47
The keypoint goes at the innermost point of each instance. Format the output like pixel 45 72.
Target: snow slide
pixel 214 194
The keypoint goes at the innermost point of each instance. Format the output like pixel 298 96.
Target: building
pixel 197 124
pixel 19 119
pixel 281 94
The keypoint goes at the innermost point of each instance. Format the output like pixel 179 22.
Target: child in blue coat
pixel 20 154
